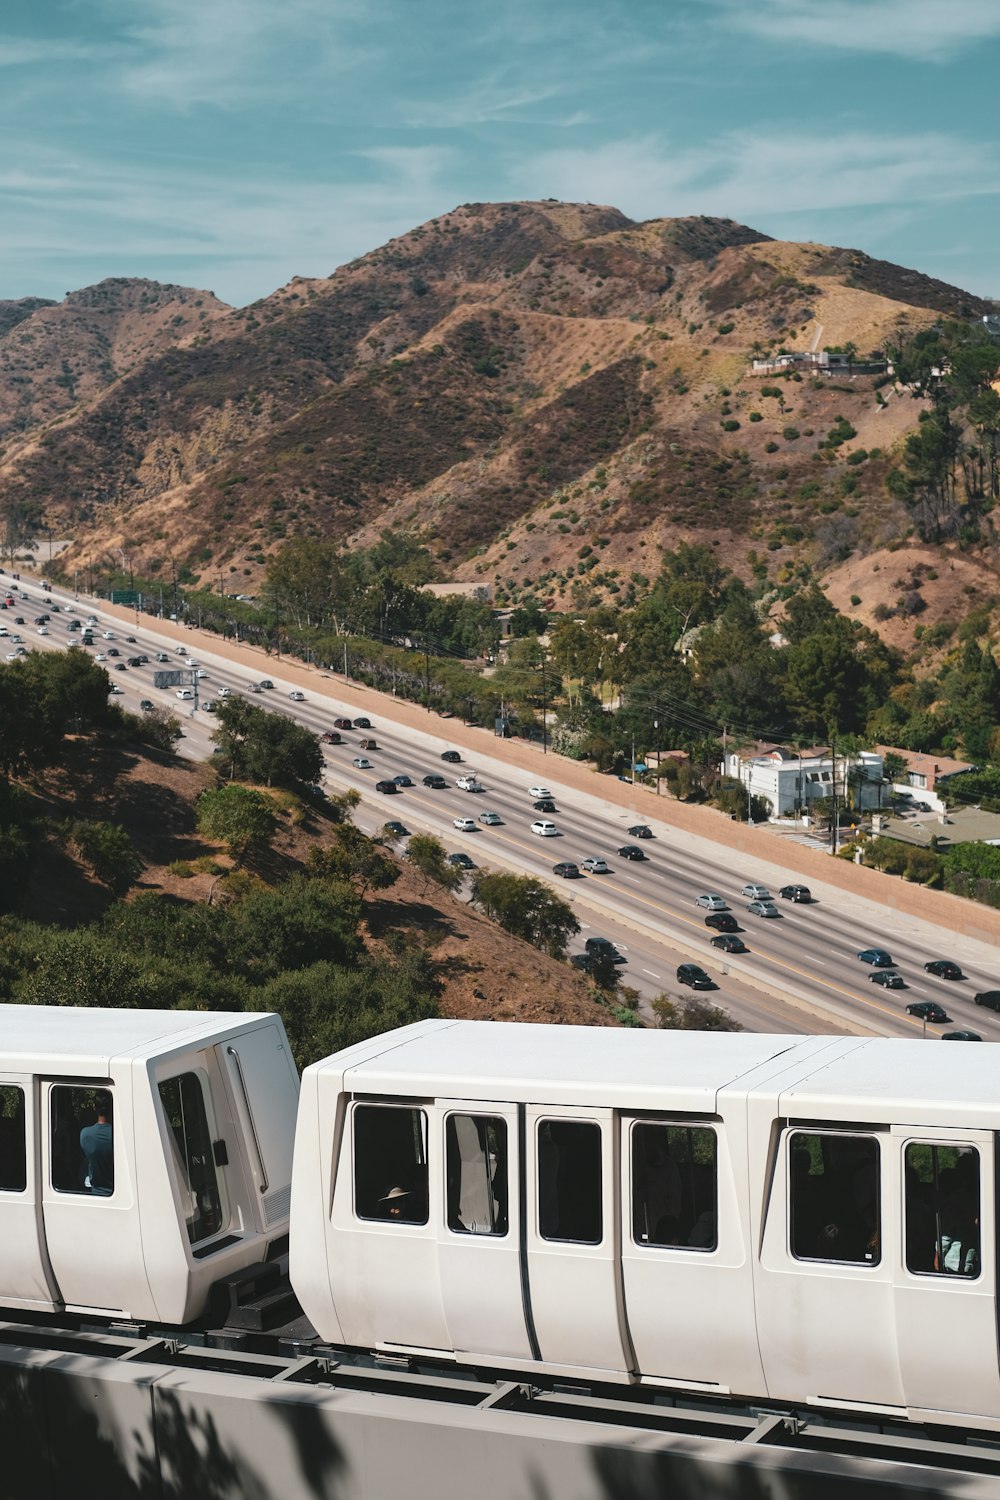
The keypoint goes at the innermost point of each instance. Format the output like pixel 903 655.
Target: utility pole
pixel 427 675
pixel 347 675
pixel 545 711
pixel 836 803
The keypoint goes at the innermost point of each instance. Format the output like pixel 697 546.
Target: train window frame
pixel 179 1158
pixel 942 1274
pixel 543 1190
pixel 641 1123
pixel 6 1188
pixel 497 1225
pixel 871 1257
pixel 93 1092
pixel 394 1202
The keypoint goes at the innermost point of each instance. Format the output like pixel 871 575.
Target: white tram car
pixel 195 1176
pixel 805 1220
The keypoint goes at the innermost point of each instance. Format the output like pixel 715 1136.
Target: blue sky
pixel 233 144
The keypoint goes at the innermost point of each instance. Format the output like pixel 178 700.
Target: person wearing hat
pixel 396 1202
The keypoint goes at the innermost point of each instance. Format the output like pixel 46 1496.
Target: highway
pixel 801 974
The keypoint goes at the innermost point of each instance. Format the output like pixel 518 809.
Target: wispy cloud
pixel 925 30
pixel 747 174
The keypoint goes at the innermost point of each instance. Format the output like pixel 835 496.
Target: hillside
pixel 545 394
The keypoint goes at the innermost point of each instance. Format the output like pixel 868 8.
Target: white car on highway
pixel 544 829
pixel 185 694
pixel 713 903
pixel 467 784
pixel 296 696
pixel 539 792
pixel 465 825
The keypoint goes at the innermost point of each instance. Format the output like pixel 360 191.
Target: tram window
pixel 476 1153
pixel 390 1163
pixel 13 1156
pixel 569 1181
pixel 835 1198
pixel 674 1185
pixel 83 1157
pixel 183 1102
pixel 942 1209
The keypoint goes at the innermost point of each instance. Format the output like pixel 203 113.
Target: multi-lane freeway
pixel 801 973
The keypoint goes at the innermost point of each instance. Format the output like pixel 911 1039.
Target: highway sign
pixel 124 596
pixel 171 679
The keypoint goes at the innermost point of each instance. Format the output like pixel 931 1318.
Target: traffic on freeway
pixel 637 881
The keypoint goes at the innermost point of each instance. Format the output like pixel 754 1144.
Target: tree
pixel 301 922
pixel 427 854
pixel 237 816
pixel 109 852
pixel 693 1013
pixel 527 908
pixel 355 857
pixel 266 747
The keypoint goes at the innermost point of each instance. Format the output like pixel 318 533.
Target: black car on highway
pixel 436 781
pixel 452 756
pixel 567 869
pixel 944 968
pixel 729 944
pixel 695 976
pixel 602 947
pixel 929 1010
pixel 631 851
pixel 640 831
pixel 722 921
pixel 989 998
pixel 387 788
pixel 544 804
pixel 800 893
pixel 889 979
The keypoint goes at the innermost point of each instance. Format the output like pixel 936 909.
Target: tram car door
pixel 479 1244
pixel 26 1278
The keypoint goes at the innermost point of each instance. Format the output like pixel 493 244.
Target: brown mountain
pixel 543 393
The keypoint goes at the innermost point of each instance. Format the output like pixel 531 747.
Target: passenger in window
pixel 97 1145
pixel 960 1220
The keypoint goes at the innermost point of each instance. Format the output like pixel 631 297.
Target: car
pixel 146 705
pixel 330 737
pixel 113 651
pixel 362 762
pixel 722 921
pixel 182 651
pixel 129 639
pixel 362 723
pixel 544 804
pixel 631 851
pixel 101 656
pixel 929 1010
pixel 208 706
pixel 800 893
pixel 266 684
pixel 961 1036
pixel 201 673
pixel 713 903
pixel 594 865
pixel 185 694
pixel 468 784
pixel 120 666
pixel 297 696
pixel 436 782
pixel 394 826
pixel 462 860
pixel 43 630
pixel 640 831
pixel 135 661
pixel 695 976
pixel 41 619
pixel 142 660
pixel 387 788
pixel 465 825
pixel 763 909
pixel 190 661
pixel 989 998
pixel 13 656
pixel 162 656
pixel 544 829
pixel 584 961
pixel 728 943
pixel 368 743
pixel 402 779
pixel 18 619
pixel 889 979
pixel 109 635
pixel 539 791
pixel 755 892
pixel 74 625
pixel 567 869
pixel 117 689
pixel 944 968
pixel 91 619
pixel 878 957
pixel 491 819
pixel 254 687
pixel 451 756
pixel 602 947
pixel 339 723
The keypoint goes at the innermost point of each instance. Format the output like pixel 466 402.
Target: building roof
pixel 965 825
pixel 931 766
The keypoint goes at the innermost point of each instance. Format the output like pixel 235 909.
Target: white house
pixel 791 781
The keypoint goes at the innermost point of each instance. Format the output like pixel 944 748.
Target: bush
pixel 770 447
pixel 790 434
pixel 109 852
pixel 731 425
pixel 756 416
